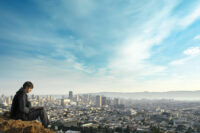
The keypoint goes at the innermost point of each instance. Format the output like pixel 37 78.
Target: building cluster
pixel 100 113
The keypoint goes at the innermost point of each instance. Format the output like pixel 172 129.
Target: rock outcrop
pixel 18 126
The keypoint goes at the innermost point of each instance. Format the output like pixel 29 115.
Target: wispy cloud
pixel 193 16
pixel 98 45
pixel 197 37
pixel 135 50
pixel 192 51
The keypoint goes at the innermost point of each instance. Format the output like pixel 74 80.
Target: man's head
pixel 28 86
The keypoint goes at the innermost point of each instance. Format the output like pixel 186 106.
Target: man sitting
pixel 21 107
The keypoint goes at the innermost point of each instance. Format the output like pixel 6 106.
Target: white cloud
pixel 197 37
pixel 50 76
pixel 135 49
pixel 191 17
pixel 180 61
pixel 192 51
pixel 131 58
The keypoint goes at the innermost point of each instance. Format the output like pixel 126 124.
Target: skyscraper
pixel 38 98
pixel 104 101
pixel 116 101
pixel 8 100
pixel 99 101
pixel 70 95
pixel 63 102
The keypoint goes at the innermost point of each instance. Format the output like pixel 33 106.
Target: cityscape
pixel 100 66
pixel 87 113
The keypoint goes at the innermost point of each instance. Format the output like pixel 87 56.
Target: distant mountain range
pixel 176 95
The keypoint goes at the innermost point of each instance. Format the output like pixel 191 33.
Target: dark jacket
pixel 20 105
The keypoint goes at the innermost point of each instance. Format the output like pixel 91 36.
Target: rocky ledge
pixel 18 126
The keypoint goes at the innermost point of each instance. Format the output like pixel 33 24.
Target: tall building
pixel 99 101
pixel 32 96
pixel 8 100
pixel 104 101
pixel 70 95
pixel 62 102
pixel 65 102
pixel 38 98
pixel 77 98
pixel 116 101
pixel 50 98
pixel 11 98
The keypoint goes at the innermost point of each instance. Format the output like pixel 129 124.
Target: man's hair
pixel 28 84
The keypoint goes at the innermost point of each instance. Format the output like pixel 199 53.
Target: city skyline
pixel 95 113
pixel 99 46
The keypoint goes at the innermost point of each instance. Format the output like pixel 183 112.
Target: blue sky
pixel 92 46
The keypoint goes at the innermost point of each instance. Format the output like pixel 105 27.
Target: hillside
pixel 17 126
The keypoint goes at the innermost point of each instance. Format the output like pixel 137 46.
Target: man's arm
pixel 22 104
pixel 29 104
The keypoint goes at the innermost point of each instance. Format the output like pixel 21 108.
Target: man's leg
pixel 39 113
pixel 33 115
pixel 44 118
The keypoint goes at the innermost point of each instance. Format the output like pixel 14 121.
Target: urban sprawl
pixel 99 114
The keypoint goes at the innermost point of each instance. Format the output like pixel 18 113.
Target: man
pixel 21 107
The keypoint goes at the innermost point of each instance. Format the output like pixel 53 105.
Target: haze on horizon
pixel 99 46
